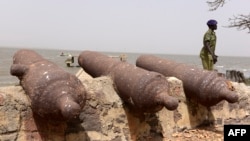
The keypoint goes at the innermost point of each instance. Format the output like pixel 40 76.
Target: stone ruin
pixel 106 115
pixel 106 118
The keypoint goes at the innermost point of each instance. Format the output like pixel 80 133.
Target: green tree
pixel 240 21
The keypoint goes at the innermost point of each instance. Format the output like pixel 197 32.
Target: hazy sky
pixel 141 26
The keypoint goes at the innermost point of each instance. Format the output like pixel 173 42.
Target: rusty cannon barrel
pixel 203 86
pixel 143 90
pixel 54 93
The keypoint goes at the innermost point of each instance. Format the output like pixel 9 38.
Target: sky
pixel 137 26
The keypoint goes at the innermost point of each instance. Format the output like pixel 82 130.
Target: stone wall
pixel 106 118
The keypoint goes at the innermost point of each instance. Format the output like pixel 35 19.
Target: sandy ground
pixel 206 133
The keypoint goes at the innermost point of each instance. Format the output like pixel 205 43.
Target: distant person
pixel 207 53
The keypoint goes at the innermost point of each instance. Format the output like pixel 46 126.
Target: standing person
pixel 207 53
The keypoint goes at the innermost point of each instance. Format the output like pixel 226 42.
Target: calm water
pixel 223 64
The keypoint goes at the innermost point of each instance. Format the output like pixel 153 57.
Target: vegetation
pixel 241 21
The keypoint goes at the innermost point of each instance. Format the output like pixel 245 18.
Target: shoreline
pixel 54 55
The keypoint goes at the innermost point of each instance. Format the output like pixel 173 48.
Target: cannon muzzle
pixel 144 90
pixel 55 94
pixel 205 87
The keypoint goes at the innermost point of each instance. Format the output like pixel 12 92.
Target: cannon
pixel 143 90
pixel 203 86
pixel 54 93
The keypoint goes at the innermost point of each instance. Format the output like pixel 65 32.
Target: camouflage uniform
pixel 206 57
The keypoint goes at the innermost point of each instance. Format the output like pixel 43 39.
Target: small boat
pixel 71 58
pixel 122 57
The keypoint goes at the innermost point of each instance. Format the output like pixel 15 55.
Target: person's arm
pixel 207 46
